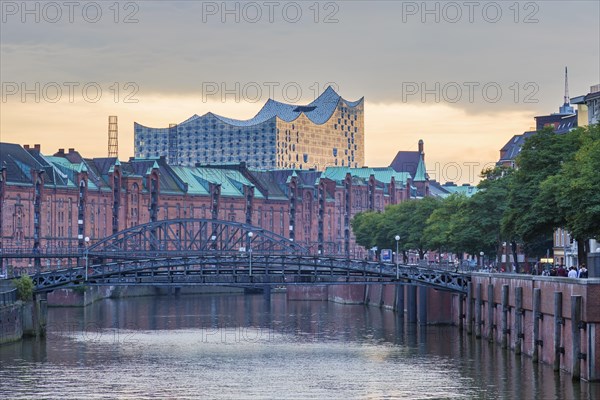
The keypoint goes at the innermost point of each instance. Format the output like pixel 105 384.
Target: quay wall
pixel 11 323
pixel 425 304
pixel 553 320
pixel 85 296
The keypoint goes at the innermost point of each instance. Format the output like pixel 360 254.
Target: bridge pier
pixel 399 300
pixel 411 303
pixel 267 293
pixel 423 305
pixel 35 315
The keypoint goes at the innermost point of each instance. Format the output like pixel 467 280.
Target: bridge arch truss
pixel 190 237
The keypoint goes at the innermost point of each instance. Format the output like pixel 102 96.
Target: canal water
pixel 243 346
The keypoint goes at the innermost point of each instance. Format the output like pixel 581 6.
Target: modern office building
pixel 327 132
pixel 588 106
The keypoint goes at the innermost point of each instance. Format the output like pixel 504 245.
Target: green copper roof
pixel 421 173
pixel 199 179
pixel 69 169
pixel 467 190
pixel 383 175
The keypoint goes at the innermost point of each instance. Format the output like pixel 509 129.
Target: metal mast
pixel 113 136
pixel 567 99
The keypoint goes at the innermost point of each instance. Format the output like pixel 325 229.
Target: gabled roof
pixel 383 175
pixel 198 179
pixel 406 161
pixel 69 170
pixel 437 190
pixel 20 163
pixel 512 148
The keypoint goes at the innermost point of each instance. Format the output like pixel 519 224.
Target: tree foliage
pixel 530 213
pixel 575 189
pixel 24 286
pixel 556 185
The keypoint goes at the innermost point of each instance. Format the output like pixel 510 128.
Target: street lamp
pixel 250 234
pixel 87 242
pixel 397 256
pixel 481 256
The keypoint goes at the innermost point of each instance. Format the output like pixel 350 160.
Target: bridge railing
pixel 8 297
pixel 42 251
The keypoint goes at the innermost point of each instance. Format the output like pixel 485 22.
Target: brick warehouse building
pixel 59 200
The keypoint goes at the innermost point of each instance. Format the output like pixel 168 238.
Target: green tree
pixel 447 225
pixel 24 286
pixel 409 220
pixel 531 215
pixel 574 190
pixel 365 226
pixel 486 209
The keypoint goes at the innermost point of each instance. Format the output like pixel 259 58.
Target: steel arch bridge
pixel 183 252
pixel 192 237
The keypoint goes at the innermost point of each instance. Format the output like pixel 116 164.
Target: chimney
pixel 71 150
pixel 61 152
pixel 37 147
pixel 26 147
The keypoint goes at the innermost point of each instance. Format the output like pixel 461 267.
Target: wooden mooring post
pixel 490 317
pixel 505 328
pixel 558 323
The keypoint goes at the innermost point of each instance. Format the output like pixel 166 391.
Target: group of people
pixel 572 272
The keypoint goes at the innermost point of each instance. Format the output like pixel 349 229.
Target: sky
pixel 463 76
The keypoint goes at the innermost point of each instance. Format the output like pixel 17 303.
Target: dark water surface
pixel 238 347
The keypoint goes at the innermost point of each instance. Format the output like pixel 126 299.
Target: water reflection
pixel 234 346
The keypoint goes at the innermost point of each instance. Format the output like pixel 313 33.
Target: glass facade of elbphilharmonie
pixel 327 132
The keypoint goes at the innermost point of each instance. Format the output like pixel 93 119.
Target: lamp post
pixel 481 256
pixel 565 239
pixel 397 256
pixel 250 234
pixel 87 254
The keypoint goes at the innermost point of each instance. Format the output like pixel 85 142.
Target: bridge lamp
pixel 397 256
pixel 481 255
pixel 87 254
pixel 250 234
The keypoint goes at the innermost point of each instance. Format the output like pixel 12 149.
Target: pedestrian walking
pixel 583 272
pixel 572 272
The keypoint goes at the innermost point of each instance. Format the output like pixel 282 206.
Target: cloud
pixel 164 53
pixel 373 49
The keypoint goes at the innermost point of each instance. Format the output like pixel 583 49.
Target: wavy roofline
pixel 324 105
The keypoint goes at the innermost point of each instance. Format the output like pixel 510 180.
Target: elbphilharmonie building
pixel 327 132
